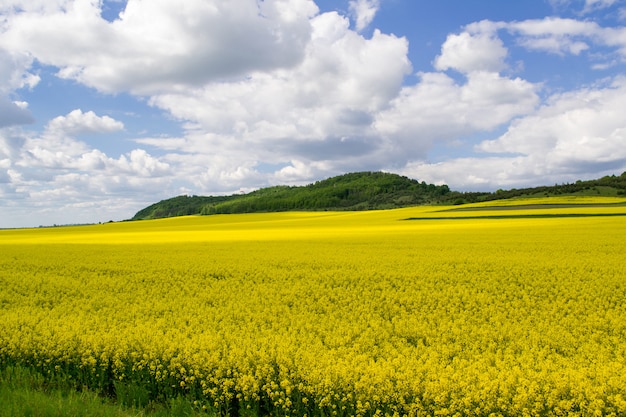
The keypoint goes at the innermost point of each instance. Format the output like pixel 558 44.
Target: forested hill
pixel 363 191
pixel 354 191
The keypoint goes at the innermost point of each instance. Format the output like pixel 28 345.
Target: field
pixel 503 311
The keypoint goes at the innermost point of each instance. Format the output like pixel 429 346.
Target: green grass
pixel 24 392
pixel 521 216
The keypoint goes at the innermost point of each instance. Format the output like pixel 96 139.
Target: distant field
pixel 550 207
pixel 547 202
pixel 332 313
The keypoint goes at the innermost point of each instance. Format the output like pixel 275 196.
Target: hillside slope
pixel 610 186
pixel 353 191
pixel 363 191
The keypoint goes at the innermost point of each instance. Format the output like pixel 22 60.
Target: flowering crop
pixel 327 313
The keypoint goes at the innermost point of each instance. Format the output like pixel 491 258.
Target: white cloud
pixel 467 52
pixel 160 45
pixel 593 5
pixel 572 131
pixel 76 123
pixel 51 157
pixel 139 162
pixel 568 36
pixel 63 181
pixel 615 37
pixel 166 143
pixel 299 113
pixel 475 174
pixel 554 26
pixel 78 197
pixel 363 12
pixel 437 108
pixel 315 126
pixel 556 45
pixel 479 47
pixel 588 6
pixel 555 35
pixel 580 134
pixel 14 71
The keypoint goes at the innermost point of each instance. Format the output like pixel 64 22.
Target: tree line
pixel 362 191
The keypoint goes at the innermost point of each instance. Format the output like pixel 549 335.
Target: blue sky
pixel 108 106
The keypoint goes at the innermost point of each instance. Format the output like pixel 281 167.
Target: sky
pixel 107 106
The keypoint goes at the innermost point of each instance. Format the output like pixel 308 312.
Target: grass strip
pixel 25 392
pixel 519 216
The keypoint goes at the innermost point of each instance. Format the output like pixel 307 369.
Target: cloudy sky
pixel 107 106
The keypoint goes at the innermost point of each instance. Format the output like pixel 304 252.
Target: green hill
pixel 363 191
pixel 609 186
pixel 354 191
pixel 178 206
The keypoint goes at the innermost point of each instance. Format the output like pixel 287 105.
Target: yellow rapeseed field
pixel 484 311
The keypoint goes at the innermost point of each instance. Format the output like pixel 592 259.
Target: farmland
pixel 414 311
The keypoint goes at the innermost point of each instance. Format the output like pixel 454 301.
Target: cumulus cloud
pixel 341 83
pixel 63 180
pixel 572 131
pixel 467 52
pixel 38 161
pixel 160 45
pixel 66 156
pixel 76 123
pixel 141 163
pixel 475 174
pixel 437 108
pixel 14 72
pixel 363 12
pixel 479 46
pixel 579 134
pixel 570 37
